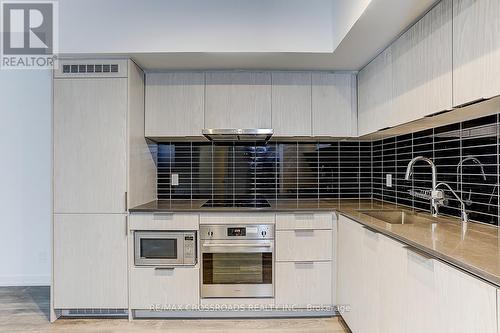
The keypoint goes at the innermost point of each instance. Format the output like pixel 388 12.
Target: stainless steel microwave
pixel 165 248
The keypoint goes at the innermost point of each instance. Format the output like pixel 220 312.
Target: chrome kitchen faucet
pixel 437 196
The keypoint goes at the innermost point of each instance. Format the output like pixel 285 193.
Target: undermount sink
pixel 397 216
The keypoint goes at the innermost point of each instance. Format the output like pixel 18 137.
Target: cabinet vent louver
pixel 90 68
pixel 94 312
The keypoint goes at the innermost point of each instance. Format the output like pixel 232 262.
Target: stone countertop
pixel 275 206
pixel 475 249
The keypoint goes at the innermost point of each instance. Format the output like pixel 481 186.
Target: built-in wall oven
pixel 165 248
pixel 237 261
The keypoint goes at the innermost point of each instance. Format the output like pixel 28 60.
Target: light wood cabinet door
pixel 303 245
pixel 422 313
pixel 90 261
pixel 302 284
pixel 238 100
pixel 375 110
pixel 476 50
pixel 174 104
pixel 369 309
pixel 163 288
pixel 291 103
pixel 90 147
pixel 334 104
pixel 422 66
pixel 465 304
pixel 350 272
pixel 392 286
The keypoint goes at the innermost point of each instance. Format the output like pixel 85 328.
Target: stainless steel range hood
pixel 238 134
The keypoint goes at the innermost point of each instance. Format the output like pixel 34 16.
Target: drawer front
pixel 299 245
pixel 304 221
pixel 163 221
pixel 301 284
pixel 150 287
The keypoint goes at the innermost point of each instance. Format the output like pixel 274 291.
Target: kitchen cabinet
pixel 164 288
pixel 304 266
pixel 307 283
pixel 90 261
pixel 90 145
pixel 334 104
pixel 375 109
pixel 421 293
pixel 394 288
pixel 422 67
pixel 350 272
pixel 291 103
pixel 303 245
pixel 391 296
pixel 465 304
pixel 476 50
pixel 174 104
pixel 238 100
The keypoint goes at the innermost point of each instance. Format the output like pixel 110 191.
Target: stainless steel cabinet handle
pixel 165 268
pixel 236 245
pixel 304 262
pixel 418 252
pixel 370 229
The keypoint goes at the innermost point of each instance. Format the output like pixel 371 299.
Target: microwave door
pixel 157 249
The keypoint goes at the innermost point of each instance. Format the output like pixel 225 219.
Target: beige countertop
pixel 475 249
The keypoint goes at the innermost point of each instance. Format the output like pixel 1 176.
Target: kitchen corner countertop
pixel 293 205
pixel 475 249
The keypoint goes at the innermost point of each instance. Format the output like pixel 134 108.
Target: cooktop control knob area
pixel 237 232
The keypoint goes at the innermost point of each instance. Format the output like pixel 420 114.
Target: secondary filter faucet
pixel 437 196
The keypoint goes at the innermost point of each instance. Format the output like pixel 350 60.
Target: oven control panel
pixel 229 231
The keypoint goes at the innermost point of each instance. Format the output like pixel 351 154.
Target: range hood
pixel 238 134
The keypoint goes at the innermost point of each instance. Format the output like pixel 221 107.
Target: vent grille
pixel 95 312
pixel 90 68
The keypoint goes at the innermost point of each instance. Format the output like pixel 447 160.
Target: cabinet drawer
pixel 304 221
pixel 301 284
pixel 299 245
pixel 163 287
pixel 163 221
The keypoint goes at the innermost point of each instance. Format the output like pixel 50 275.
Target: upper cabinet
pixel 291 103
pixel 375 94
pixel 422 67
pixel 174 104
pixel 238 100
pixel 334 104
pixel 181 104
pixel 412 78
pixel 476 50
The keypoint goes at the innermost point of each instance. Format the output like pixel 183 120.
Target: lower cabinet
pixel 394 288
pixel 176 289
pixel 90 261
pixel 304 266
pixel 304 284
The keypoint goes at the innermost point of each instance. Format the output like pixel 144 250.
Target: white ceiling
pixel 237 34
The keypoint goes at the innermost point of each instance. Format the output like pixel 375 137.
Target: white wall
pixel 25 177
pixel 133 26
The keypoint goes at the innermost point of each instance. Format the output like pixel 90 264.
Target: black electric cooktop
pixel 226 203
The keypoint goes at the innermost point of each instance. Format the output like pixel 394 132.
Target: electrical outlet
pixel 388 180
pixel 174 179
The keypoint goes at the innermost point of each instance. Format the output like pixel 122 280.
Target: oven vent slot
pixel 94 312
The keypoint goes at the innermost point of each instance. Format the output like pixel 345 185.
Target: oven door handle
pixel 235 245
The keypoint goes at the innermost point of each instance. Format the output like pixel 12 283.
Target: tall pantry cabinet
pixel 102 166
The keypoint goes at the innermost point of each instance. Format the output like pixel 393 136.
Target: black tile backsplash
pixel 282 170
pixel 475 140
pixel 343 169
